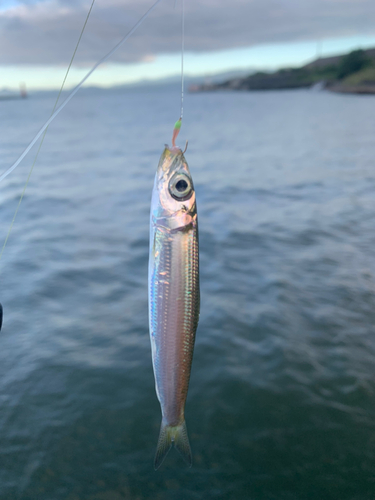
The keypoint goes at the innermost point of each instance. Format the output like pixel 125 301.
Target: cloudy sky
pixel 37 37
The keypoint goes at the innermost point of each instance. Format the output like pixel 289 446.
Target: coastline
pixel 352 73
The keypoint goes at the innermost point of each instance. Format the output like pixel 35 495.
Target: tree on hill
pixel 353 62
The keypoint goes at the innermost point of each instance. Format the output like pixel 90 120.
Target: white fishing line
pixel 182 54
pixel 177 125
pixel 75 90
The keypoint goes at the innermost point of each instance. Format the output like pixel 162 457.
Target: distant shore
pixel 341 89
pixel 352 89
pixel 352 73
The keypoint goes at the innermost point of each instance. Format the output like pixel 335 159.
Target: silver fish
pixel 173 295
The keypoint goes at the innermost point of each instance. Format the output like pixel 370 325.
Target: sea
pixel 281 404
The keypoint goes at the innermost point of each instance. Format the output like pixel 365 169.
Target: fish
pixel 174 296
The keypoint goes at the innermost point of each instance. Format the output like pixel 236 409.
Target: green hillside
pixel 353 72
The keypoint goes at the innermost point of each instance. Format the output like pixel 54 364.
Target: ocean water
pixel 282 395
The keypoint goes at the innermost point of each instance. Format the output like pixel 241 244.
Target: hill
pixel 353 72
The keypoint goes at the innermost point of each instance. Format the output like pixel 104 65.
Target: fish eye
pixel 180 187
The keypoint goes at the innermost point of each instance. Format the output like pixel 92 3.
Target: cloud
pixel 45 32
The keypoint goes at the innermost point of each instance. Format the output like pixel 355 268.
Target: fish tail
pixel 173 434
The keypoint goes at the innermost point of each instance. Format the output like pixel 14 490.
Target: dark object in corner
pixel 1 316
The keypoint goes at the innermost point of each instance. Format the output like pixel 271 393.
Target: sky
pixel 37 37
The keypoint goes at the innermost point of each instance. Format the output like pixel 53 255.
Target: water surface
pixel 282 396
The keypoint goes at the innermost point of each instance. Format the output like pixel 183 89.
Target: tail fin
pixel 178 436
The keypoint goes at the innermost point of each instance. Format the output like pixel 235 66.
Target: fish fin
pixel 164 444
pixel 177 435
pixel 182 444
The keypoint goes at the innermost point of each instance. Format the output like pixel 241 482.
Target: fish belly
pixel 174 313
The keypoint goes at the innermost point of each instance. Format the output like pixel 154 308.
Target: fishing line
pixel 45 131
pixel 177 125
pixel 182 55
pixel 75 90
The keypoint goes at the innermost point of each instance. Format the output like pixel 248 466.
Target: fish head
pixel 173 201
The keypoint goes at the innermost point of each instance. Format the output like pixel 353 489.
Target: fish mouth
pixel 173 150
pixel 171 159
